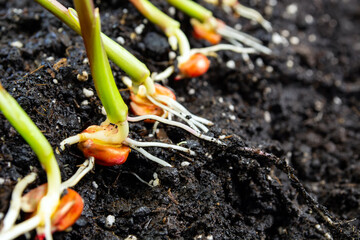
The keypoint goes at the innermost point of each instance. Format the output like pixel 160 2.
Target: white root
pixel 189 121
pixel 15 203
pixel 176 124
pixel 21 228
pixel 69 141
pixel 151 157
pixel 165 74
pixel 132 143
pixel 222 47
pixel 80 173
pixel 228 32
pixel 253 15
pixel 181 108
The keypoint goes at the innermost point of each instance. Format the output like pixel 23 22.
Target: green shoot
pixel 107 91
pixel 138 72
pixel 42 148
pixel 206 25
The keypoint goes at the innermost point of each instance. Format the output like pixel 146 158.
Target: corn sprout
pixel 243 11
pixel 109 142
pixel 45 204
pixel 212 29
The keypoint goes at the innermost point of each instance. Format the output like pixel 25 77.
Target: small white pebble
pixel 60 30
pixel 139 29
pixel 328 236
pixel 55 81
pixel 208 155
pixel 88 92
pixel 185 164
pixel 267 116
pixel 84 76
pixel 120 40
pixel 172 11
pixel 103 111
pixel 238 26
pixel 259 62
pixel 231 107
pixel 18 11
pixel 232 117
pixel 79 119
pixel 85 103
pixel 221 100
pixel 230 64
pixel 337 100
pixel 156 182
pixel 145 21
pixel 51 58
pixel 110 220
pixel 312 38
pixel 292 9
pixel 191 91
pixel 209 237
pixel 17 44
pixel 268 10
pixel 319 105
pixel 125 11
pixel 318 227
pixel 95 185
pixel 267 90
pixel 223 114
pixel 309 19
pixel 181 99
pixel 273 3
pixel 85 61
pixel 290 63
pixel 222 137
pixel 2 181
pixel 294 40
pixel 172 55
pixel 155 175
pixel 131 237
pixel 269 69
pixel 285 33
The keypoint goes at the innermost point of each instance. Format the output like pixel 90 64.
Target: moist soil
pixel 291 124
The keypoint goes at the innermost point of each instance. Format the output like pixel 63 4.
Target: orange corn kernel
pixel 142 106
pixel 195 66
pixel 104 154
pixel 202 32
pixel 68 211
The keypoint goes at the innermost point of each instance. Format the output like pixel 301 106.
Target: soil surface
pixel 301 105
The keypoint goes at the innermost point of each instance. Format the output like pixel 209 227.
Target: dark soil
pixel 301 105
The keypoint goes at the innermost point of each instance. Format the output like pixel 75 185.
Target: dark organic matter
pixel 291 126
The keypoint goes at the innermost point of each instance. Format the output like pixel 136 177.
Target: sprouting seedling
pixel 109 143
pixel 49 202
pixel 138 72
pixel 140 76
pixel 243 11
pixel 191 62
pixel 206 25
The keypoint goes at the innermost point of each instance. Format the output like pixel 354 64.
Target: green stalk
pixel 106 88
pixel 166 23
pixel 137 71
pixel 33 136
pixel 192 9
